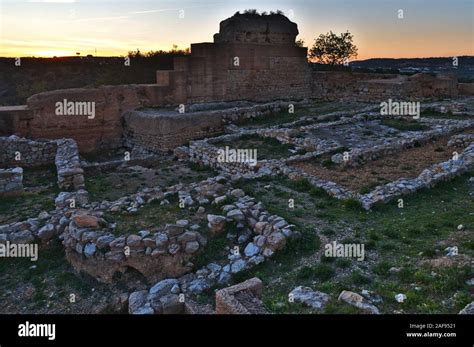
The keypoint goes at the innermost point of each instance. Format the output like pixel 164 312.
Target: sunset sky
pixel 114 27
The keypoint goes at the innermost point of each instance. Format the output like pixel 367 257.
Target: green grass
pixel 404 125
pixel 154 215
pixel 281 117
pixel 52 279
pixel 267 147
pixel 448 115
pixel 111 185
pixel 16 208
pixel 322 272
pixel 400 238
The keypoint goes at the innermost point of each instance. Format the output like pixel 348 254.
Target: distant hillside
pixel 464 70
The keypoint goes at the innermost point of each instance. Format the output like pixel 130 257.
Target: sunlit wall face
pixel 388 28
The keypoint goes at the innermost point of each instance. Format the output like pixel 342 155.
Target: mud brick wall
pixel 264 72
pixel 10 116
pixel 466 88
pixel 163 132
pixel 32 153
pixel 102 132
pixel 156 131
pixel 11 181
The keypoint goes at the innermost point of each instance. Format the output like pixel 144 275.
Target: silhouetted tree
pixel 299 43
pixel 333 49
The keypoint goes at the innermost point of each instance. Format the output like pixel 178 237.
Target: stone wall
pixel 428 178
pixel 255 28
pixel 263 73
pixel 373 87
pixel 63 153
pixel 253 58
pixel 157 130
pixel 29 152
pixel 10 116
pixel 11 181
pixel 95 251
pixel 466 88
pixel 70 172
pixel 105 129
pixel 242 298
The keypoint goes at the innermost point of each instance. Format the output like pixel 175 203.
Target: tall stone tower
pixel 253 57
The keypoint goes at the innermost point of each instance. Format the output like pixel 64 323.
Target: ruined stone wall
pixel 466 88
pixel 31 153
pixel 11 181
pixel 254 28
pixel 157 131
pixel 241 71
pixel 70 172
pixel 10 116
pixel 242 298
pixel 163 132
pixel 20 152
pixel 373 87
pixel 105 129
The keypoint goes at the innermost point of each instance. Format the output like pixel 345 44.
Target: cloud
pixel 156 11
pixel 100 18
pixel 54 1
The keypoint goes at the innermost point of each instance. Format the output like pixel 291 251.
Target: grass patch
pixel 404 125
pixel 267 147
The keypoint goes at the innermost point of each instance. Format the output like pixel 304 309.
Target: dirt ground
pixel 405 164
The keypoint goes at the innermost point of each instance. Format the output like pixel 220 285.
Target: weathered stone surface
pixel 358 301
pixel 216 223
pixel 191 247
pixel 236 215
pixel 242 298
pixel 86 221
pixel 276 241
pixel 24 236
pixel 90 249
pixel 249 28
pixel 171 304
pixel 46 232
pixel 468 309
pixel 163 287
pixel 137 300
pixel 174 229
pixel 309 297
pixel 251 250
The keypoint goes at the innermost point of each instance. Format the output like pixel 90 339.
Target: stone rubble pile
pixel 40 229
pixel 461 140
pixel 269 234
pixel 93 246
